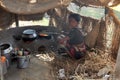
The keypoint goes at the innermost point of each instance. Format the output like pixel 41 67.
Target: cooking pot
pixel 29 35
pixel 6 48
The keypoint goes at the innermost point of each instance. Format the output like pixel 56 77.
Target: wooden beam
pixel 117 66
pixel 16 20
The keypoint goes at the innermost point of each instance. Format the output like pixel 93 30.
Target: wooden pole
pixel 1 68
pixel 117 66
pixel 16 20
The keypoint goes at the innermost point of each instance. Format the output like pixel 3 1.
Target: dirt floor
pixel 37 70
pixel 51 66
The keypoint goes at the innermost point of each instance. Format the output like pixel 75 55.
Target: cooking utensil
pixel 6 48
pixel 29 35
pixel 44 35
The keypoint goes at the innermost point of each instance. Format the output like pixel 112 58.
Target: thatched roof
pixel 97 3
pixel 110 2
pixel 38 6
pixel 29 17
pixel 88 2
pixel 31 6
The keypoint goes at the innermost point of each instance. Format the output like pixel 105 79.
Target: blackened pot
pixel 29 35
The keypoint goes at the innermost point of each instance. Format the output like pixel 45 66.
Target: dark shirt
pixel 75 36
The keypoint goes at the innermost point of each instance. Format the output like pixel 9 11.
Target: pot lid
pixel 29 31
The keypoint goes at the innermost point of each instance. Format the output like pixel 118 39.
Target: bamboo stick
pixel 1 68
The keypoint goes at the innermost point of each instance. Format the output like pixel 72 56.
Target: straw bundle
pixel 83 69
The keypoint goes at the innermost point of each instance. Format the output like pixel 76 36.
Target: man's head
pixel 74 19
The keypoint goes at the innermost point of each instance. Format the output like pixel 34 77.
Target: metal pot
pixel 23 61
pixel 6 48
pixel 29 35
